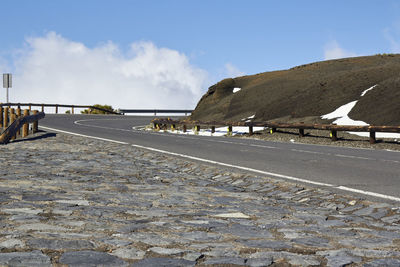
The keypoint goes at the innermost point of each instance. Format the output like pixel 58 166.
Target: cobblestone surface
pixel 82 202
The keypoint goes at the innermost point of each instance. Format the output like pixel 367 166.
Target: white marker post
pixel 7 82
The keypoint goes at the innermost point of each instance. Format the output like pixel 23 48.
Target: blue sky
pixel 220 38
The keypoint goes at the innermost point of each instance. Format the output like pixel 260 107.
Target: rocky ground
pixel 83 202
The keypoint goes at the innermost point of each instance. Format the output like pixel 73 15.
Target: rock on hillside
pixel 306 92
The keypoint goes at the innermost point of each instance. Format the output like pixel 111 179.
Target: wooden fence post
pixel 72 109
pixel 5 124
pixel 42 107
pixel 212 129
pixel 184 128
pixel 56 109
pixel 372 137
pixel 1 117
pixel 18 116
pixel 25 127
pixel 251 130
pixel 12 119
pixel 301 132
pixel 35 126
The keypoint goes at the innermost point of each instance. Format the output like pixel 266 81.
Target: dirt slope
pixel 306 92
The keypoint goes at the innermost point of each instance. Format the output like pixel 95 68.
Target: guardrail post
pixel 19 115
pixel 42 107
pixel 301 132
pixel 196 129
pixel 1 117
pixel 372 137
pixel 12 119
pixel 230 130
pixel 212 129
pixel 173 127
pixel 251 130
pixel 5 125
pixel 30 107
pixel 25 127
pixel 333 135
pixel 35 126
pixel 72 109
pixel 184 128
pixel 56 109
pixel 273 130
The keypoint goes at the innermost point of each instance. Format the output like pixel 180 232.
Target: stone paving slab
pixel 82 202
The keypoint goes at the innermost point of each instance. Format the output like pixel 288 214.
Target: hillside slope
pixel 306 92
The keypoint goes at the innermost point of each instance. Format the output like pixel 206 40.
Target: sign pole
pixel 7 82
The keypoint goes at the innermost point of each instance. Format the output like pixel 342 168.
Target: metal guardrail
pixel 159 123
pixel 155 111
pixel 13 121
pixel 56 106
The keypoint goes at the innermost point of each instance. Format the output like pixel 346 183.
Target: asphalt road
pixel 376 173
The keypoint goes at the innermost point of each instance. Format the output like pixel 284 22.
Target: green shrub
pixel 96 111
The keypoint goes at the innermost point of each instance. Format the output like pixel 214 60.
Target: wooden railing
pixel 56 106
pixel 273 126
pixel 155 111
pixel 11 122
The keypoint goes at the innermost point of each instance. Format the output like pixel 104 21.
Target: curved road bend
pixel 373 171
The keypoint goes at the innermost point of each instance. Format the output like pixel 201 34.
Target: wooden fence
pixel 155 111
pixel 12 120
pixel 56 106
pixel 273 126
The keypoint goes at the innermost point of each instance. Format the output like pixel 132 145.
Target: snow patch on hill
pixel 341 114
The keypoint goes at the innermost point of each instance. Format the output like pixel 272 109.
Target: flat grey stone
pixel 38 197
pixel 265 244
pixel 312 241
pixel 166 251
pixel 12 243
pixel 392 219
pixel 225 261
pixel 339 257
pixel 55 244
pixel 200 236
pixel 379 214
pixel 163 262
pixel 259 262
pixel 364 211
pixel 245 231
pixel 383 262
pixel 90 258
pixel 129 253
pixel 33 258
pixel 193 256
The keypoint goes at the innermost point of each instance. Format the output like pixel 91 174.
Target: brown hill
pixel 306 92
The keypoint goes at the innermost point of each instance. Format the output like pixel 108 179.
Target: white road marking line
pixel 368 193
pixel 378 195
pixel 352 157
pixel 83 135
pixel 310 152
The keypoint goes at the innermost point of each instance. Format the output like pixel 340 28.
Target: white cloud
pixel 231 71
pixel 332 50
pixel 54 69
